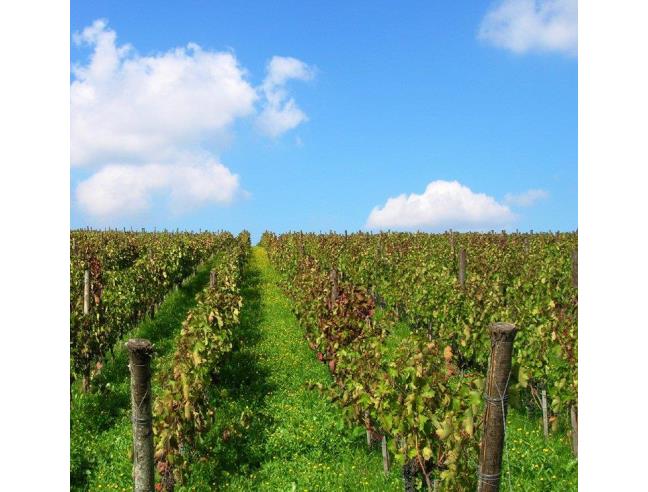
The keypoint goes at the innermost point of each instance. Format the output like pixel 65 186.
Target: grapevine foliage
pixel 424 388
pixel 130 273
pixel 182 411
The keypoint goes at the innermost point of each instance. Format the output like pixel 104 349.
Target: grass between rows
pixel 296 440
pixel 272 433
pixel 100 428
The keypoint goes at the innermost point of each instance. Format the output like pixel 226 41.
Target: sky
pixel 339 116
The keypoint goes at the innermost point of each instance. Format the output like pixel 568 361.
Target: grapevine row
pixel 182 411
pixel 120 296
pixel 423 386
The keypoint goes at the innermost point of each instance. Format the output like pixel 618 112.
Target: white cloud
pixel 525 199
pixel 280 112
pixel 533 25
pixel 130 107
pixel 144 121
pixel 120 190
pixel 443 205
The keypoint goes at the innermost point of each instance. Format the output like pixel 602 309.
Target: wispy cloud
pixel 443 205
pixel 525 199
pixel 524 26
pixel 280 113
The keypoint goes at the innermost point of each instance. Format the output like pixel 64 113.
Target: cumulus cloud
pixel 119 189
pixel 525 26
pixel 130 107
pixel 280 112
pixel 145 121
pixel 525 199
pixel 443 205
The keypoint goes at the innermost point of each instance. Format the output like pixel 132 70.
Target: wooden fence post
pixel 574 423
pixel 545 416
pixel 212 279
pixel 497 380
pixel 85 380
pixel 139 356
pixel 462 267
pixel 366 416
pixel 334 285
pixel 385 454
pixel 573 410
pixel 86 292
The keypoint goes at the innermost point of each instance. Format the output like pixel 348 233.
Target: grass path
pixel 272 432
pixel 100 428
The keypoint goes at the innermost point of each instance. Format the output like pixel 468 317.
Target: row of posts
pixel 496 398
pixel 496 406
pixel 140 352
pixel 545 412
pixel 490 461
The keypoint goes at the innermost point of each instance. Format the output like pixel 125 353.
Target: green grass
pixel 280 435
pixel 272 433
pixel 100 428
pixel 533 464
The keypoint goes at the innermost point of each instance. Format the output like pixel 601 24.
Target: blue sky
pixel 363 103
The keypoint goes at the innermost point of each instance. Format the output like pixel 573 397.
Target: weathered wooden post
pixel 301 243
pixel 212 279
pixel 86 292
pixel 366 416
pixel 462 267
pixel 385 455
pixel 499 372
pixel 573 410
pixel 574 423
pixel 85 381
pixel 545 416
pixel 334 285
pixel 139 356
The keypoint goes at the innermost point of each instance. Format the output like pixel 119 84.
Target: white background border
pixel 613 211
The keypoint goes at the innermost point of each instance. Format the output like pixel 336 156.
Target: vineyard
pixel 323 361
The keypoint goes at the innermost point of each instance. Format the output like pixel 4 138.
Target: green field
pixel 272 432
